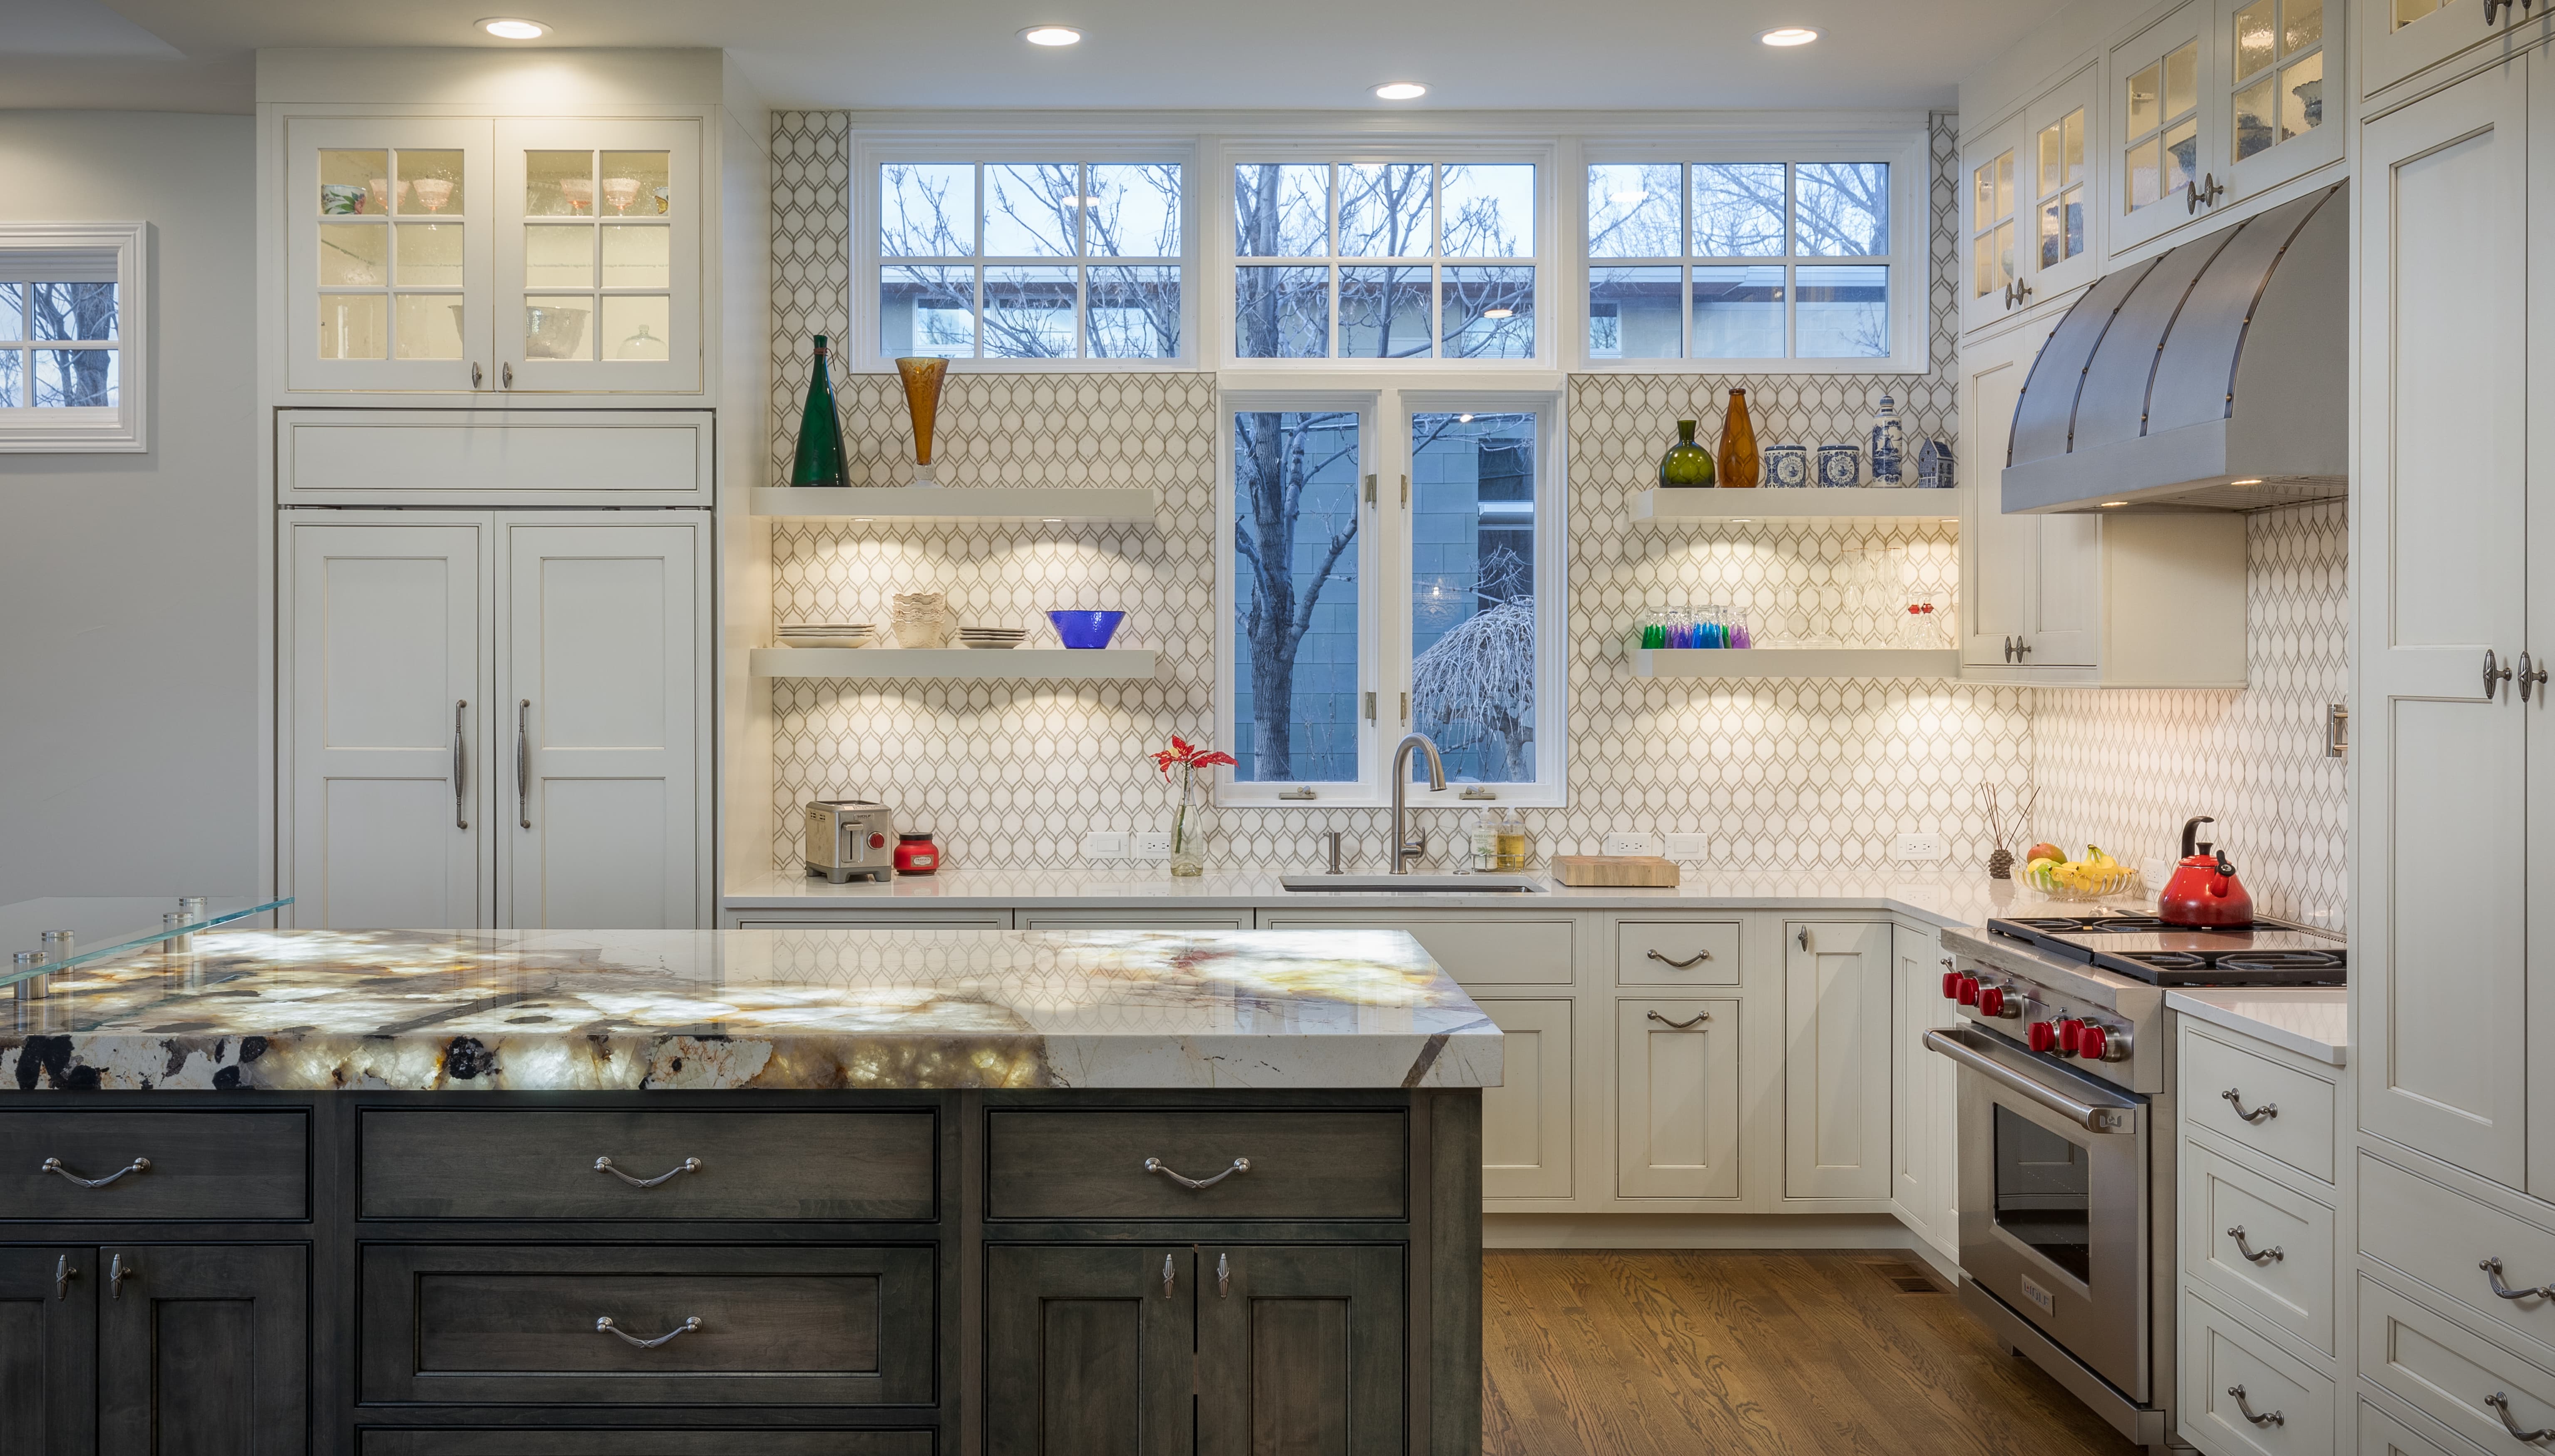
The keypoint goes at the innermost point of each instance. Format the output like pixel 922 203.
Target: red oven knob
pixel 1992 1001
pixel 878 841
pixel 1969 990
pixel 1951 985
pixel 2091 1043
pixel 2071 1037
pixel 2040 1035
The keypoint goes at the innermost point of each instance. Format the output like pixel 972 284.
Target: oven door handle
pixel 2084 1114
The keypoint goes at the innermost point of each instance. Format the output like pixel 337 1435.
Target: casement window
pixel 72 317
pixel 1055 259
pixel 1391 563
pixel 1765 261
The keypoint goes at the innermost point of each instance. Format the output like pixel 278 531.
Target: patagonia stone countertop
pixel 803 1008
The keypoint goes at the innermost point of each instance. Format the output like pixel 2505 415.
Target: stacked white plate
pixel 992 637
pixel 824 634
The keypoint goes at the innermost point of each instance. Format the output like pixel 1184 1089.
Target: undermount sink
pixel 1417 884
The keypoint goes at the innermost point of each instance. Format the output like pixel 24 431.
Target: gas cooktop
pixel 2264 953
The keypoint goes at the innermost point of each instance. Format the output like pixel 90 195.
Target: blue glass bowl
pixel 1086 628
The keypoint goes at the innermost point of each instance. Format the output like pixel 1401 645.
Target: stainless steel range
pixel 2067 1136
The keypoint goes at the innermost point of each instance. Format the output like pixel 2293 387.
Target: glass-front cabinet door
pixel 2167 157
pixel 387 254
pixel 2401 36
pixel 2275 55
pixel 2063 245
pixel 598 256
pixel 1991 274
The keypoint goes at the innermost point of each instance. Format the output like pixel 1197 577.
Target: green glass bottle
pixel 1686 464
pixel 821 431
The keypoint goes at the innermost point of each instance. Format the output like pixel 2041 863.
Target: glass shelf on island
pixel 103 926
pixel 1797 661
pixel 1019 663
pixel 962 504
pixel 1668 506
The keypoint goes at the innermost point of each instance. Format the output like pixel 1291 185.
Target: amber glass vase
pixel 923 381
pixel 1738 460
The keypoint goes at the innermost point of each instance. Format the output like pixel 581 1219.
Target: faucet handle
pixel 1331 842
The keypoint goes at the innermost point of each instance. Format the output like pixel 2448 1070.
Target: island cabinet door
pixel 1299 1350
pixel 1090 1350
pixel 48 1350
pixel 203 1349
pixel 601 686
pixel 387 722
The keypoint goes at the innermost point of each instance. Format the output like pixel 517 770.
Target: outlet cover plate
pixel 1689 846
pixel 1917 848
pixel 1631 841
pixel 1153 844
pixel 1104 844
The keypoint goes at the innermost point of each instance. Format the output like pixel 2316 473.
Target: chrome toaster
pixel 850 837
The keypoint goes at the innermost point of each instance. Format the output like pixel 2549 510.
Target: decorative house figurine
pixel 1887 445
pixel 1934 466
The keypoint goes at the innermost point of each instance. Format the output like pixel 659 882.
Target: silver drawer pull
pixel 1223 1278
pixel 603 1325
pixel 64 1273
pixel 2493 1273
pixel 2268 1417
pixel 690 1165
pixel 1157 1165
pixel 2236 1100
pixel 1168 1276
pixel 2266 1255
pixel 2500 1404
pixel 1687 964
pixel 117 1271
pixel 1688 1025
pixel 54 1165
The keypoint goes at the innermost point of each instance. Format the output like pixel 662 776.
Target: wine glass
pixel 621 191
pixel 579 192
pixel 433 192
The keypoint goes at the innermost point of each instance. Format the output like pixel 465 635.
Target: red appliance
pixel 2203 890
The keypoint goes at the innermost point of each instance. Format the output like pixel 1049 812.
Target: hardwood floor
pixel 1593 1353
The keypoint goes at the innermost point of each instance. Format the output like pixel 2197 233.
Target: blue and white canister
pixel 1787 466
pixel 1839 466
pixel 1934 466
pixel 1887 443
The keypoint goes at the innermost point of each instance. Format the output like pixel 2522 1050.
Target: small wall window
pixel 71 311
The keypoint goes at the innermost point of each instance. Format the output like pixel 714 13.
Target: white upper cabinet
pixel 493 258
pixel 2167 133
pixel 2275 55
pixel 2398 37
pixel 2028 209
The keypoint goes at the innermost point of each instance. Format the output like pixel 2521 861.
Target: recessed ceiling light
pixel 510 28
pixel 1790 35
pixel 1052 34
pixel 1627 200
pixel 1401 92
pixel 1463 419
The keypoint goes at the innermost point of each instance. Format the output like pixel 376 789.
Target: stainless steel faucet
pixel 1402 850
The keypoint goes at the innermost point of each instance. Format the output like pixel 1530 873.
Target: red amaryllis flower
pixel 1183 754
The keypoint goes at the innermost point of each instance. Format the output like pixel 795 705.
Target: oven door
pixel 2054 1194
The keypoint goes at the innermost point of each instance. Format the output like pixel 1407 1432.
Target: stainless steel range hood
pixel 2225 360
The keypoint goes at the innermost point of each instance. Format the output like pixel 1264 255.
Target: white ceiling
pixel 1475 55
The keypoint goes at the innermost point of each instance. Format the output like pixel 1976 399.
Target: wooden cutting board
pixel 1615 870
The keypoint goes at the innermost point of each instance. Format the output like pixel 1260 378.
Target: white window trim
pixel 1220 259
pixel 124 428
pixel 1910 155
pixel 940 142
pixel 1383 596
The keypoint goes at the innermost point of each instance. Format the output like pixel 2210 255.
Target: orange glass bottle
pixel 1736 462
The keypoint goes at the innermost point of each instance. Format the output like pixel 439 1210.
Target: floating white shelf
pixel 1705 507
pixel 1016 663
pixel 944 503
pixel 1795 662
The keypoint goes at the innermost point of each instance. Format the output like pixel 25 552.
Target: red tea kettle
pixel 2204 892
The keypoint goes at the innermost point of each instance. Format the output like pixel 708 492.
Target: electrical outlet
pixel 1631 841
pixel 1917 847
pixel 1104 844
pixel 1154 844
pixel 1689 846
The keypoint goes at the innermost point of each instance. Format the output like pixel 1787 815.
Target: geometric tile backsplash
pixel 1779 774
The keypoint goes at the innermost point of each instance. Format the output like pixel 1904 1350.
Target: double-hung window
pixel 1020 262
pixel 72 316
pixel 1796 263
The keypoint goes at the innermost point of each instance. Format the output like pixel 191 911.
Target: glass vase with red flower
pixel 1193 813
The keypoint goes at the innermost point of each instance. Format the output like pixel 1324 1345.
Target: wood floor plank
pixel 1780 1353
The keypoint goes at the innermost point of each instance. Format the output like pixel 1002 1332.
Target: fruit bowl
pixel 2081 882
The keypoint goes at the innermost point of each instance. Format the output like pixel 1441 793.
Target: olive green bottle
pixel 1686 464
pixel 821 431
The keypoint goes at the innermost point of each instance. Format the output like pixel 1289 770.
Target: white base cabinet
pixel 1836 1059
pixel 1924 1180
pixel 1676 1081
pixel 495 721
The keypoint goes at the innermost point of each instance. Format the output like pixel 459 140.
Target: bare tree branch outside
pixel 1041 241
pixel 33 316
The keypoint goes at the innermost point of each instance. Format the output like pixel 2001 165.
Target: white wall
pixel 129 759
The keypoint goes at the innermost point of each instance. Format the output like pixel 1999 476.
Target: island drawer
pixel 625 1441
pixel 1307 1163
pixel 509 1163
pixel 198 1167
pixel 518 1324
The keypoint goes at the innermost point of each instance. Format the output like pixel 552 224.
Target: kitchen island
pixel 873 1192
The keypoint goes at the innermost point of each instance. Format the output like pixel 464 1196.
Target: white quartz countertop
pixel 2313 1020
pixel 807 1008
pixel 1939 900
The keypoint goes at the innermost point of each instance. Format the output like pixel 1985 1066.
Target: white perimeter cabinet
pixel 495 720
pixel 1836 1059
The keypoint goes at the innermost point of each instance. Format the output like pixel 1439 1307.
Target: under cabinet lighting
pixel 1790 35
pixel 1401 92
pixel 1051 520
pixel 2108 505
pixel 1052 34
pixel 508 28
pixel 2256 480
